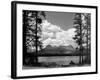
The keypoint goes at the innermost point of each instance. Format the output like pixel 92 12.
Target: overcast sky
pixel 62 19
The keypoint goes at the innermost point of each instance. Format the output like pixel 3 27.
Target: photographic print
pixel 55 41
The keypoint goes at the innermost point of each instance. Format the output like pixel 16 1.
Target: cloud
pixel 67 37
pixel 54 42
pixel 48 27
pixel 46 35
pixel 55 36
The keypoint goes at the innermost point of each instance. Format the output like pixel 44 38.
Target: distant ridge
pixel 58 50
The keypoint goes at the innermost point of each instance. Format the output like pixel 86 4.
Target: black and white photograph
pixel 56 39
pixel 53 39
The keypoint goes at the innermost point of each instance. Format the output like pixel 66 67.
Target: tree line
pixel 82 24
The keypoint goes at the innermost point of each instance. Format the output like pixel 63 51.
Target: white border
pixel 35 72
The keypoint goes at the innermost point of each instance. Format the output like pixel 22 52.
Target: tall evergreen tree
pixel 87 28
pixel 78 36
pixel 32 24
pixel 82 37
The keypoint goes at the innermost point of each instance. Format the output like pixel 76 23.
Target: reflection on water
pixel 56 61
pixel 60 60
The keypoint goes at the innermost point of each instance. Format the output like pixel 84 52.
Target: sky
pixel 62 19
pixel 57 29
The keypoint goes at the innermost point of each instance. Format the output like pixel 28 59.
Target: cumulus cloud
pixel 48 27
pixel 55 36
pixel 54 42
pixel 46 35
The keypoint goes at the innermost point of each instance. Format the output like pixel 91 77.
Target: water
pixel 55 61
pixel 61 60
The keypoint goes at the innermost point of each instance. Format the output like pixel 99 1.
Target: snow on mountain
pixel 58 50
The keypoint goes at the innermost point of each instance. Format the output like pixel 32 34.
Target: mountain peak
pixel 69 47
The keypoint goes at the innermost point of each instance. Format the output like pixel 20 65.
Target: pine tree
pixel 87 27
pixel 32 23
pixel 82 37
pixel 78 36
pixel 39 17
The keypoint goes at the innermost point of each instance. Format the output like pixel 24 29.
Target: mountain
pixel 58 50
pixel 69 47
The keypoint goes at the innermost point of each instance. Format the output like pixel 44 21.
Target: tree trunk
pixel 36 57
pixel 81 47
